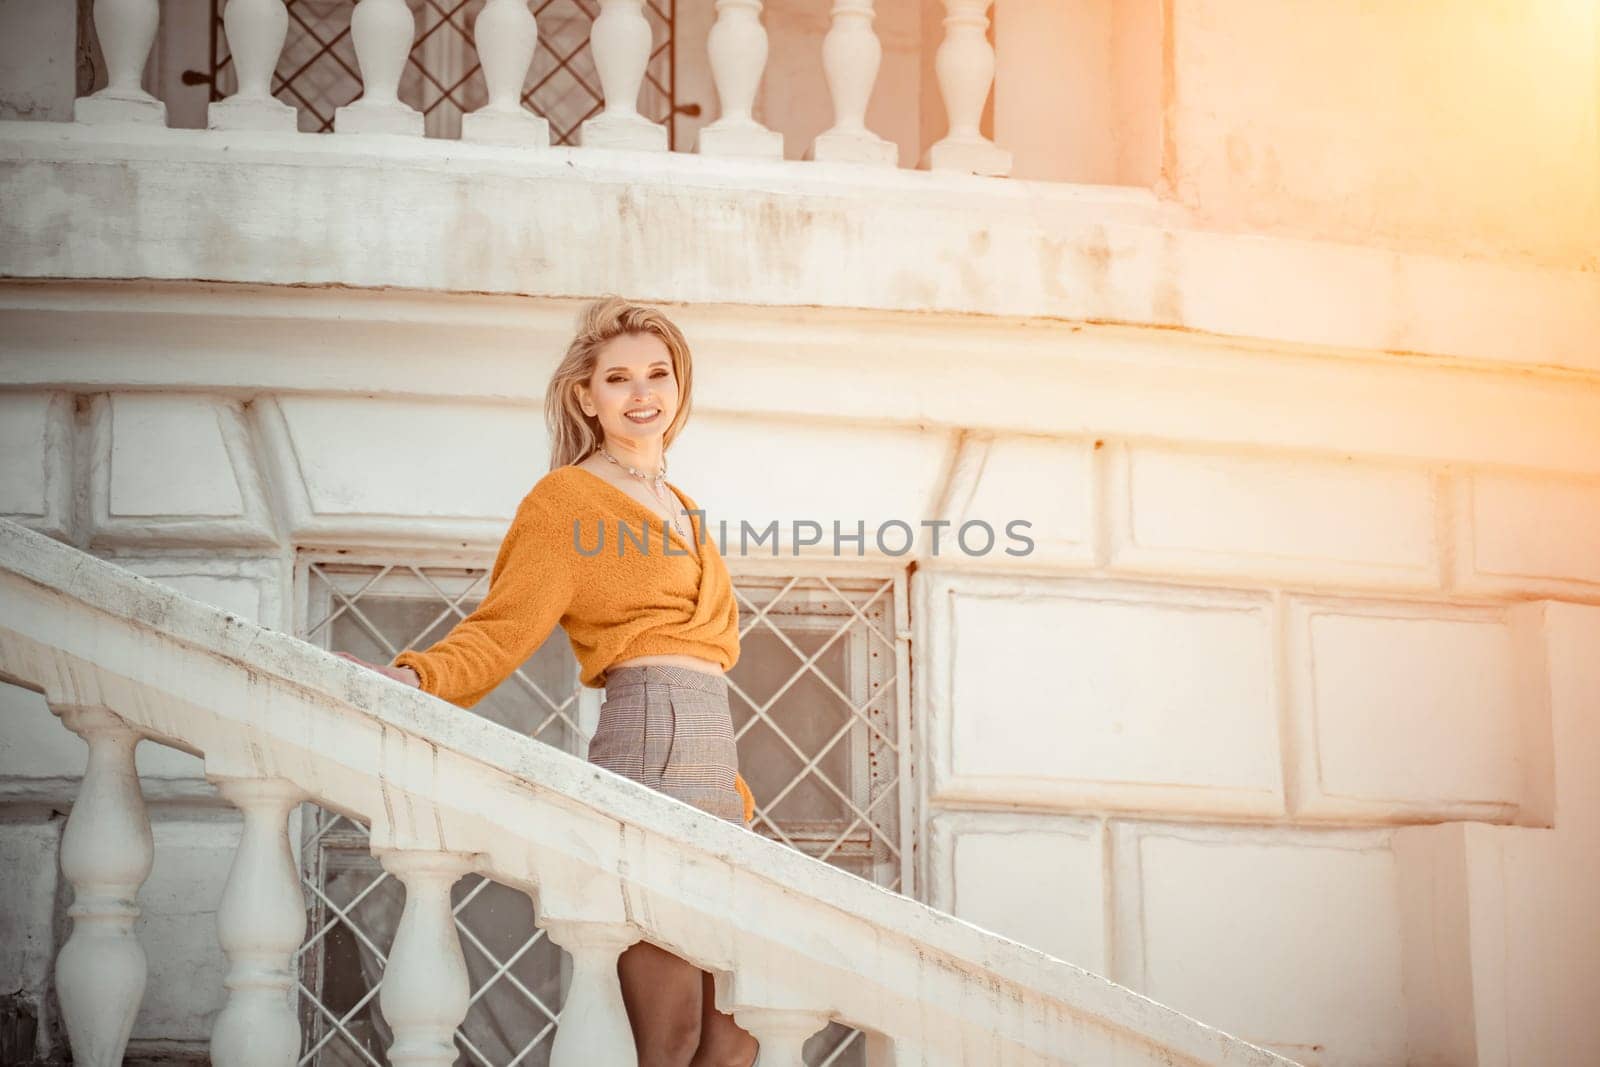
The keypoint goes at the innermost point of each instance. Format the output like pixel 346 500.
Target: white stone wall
pixel 38 49
pixel 700 232
pixel 1440 942
pixel 1189 761
pixel 1264 707
pixel 1468 129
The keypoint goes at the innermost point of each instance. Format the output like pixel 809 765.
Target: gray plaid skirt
pixel 670 728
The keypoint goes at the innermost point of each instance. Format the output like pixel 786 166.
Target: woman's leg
pixel 669 728
pixel 662 994
pixel 723 1042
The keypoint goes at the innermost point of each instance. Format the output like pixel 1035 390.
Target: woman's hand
pixel 404 675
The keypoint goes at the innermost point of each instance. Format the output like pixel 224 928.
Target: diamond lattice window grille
pixel 818 708
pixel 375 611
pixel 317 71
pixel 821 712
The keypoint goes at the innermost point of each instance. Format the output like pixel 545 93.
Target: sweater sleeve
pixel 530 587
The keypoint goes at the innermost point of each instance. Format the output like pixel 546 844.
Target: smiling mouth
pixel 642 415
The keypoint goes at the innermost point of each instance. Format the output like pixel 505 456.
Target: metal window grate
pixel 817 715
pixel 317 72
pixel 821 712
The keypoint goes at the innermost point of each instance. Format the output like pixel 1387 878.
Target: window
pixel 818 705
pixel 821 710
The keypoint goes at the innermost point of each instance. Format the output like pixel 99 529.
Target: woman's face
pixel 632 377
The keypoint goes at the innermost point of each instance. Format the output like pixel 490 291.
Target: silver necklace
pixel 656 483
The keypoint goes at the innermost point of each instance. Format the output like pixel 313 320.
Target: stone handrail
pixel 505 34
pixel 793 942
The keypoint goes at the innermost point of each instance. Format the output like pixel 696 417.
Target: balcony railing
pixel 506 37
pixel 795 944
pixel 317 71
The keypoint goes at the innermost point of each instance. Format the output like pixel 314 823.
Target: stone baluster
pixel 255 31
pixel 782 1033
pixel 850 58
pixel 965 65
pixel 382 31
pixel 260 923
pixel 127 29
pixel 106 853
pixel 620 42
pixel 506 35
pixel 738 49
pixel 593 1027
pixel 425 991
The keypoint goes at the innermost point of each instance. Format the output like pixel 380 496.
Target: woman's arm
pixel 530 588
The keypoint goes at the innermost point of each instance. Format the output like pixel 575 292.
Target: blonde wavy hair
pixel 574 436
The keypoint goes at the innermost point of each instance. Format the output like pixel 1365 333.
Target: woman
pixel 657 626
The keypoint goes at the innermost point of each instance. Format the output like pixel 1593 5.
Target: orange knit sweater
pixel 621 602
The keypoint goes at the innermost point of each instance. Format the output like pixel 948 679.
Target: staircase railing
pixel 792 941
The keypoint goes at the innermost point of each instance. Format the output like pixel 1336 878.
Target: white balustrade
pixel 620 43
pixel 782 1033
pixel 126 29
pixel 382 31
pixel 425 991
pixel 506 35
pixel 593 1026
pixel 608 862
pixel 738 49
pixel 255 30
pixel 851 55
pixel 965 65
pixel 261 921
pixel 106 853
